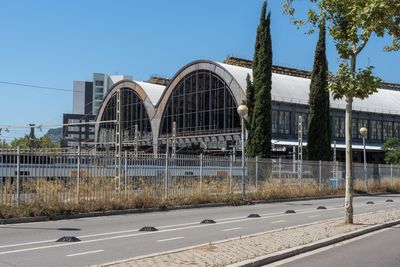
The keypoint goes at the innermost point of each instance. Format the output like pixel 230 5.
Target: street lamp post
pixel 242 111
pixel 364 133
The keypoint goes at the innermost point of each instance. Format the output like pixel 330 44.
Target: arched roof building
pixel 202 98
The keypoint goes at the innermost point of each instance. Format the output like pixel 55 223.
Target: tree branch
pixel 362 45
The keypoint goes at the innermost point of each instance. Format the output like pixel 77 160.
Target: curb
pixel 288 253
pixel 146 210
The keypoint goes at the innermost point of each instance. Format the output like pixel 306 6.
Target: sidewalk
pixel 236 250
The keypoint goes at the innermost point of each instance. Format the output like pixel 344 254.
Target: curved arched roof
pixel 153 91
pixel 149 93
pixel 285 88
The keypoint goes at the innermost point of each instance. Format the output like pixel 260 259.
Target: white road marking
pixel 170 239
pixel 279 221
pixel 313 216
pixel 231 229
pixel 193 225
pixel 304 255
pixel 85 253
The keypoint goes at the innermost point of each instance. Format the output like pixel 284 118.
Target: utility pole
pixel 136 141
pixel 31 136
pixel 300 148
pixel 173 140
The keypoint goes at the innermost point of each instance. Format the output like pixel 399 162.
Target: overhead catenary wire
pixel 54 125
pixel 40 87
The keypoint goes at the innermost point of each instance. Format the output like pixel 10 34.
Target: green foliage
pixel 42 142
pixel 259 143
pixel 359 85
pixel 319 134
pixel 351 23
pixel 392 150
pixel 249 100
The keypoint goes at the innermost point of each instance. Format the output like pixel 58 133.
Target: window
pixel 275 121
pixel 376 130
pixel 99 90
pixel 396 129
pixel 74 136
pixel 280 122
pixel 354 128
pixel 338 127
pixel 387 130
pixel 99 83
pixel 201 103
pixel 284 122
pixel 73 129
pixel 133 113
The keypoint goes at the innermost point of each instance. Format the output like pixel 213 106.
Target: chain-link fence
pixel 28 176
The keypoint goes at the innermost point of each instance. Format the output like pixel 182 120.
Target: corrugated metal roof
pixel 293 89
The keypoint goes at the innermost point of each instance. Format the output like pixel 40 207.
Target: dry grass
pixel 58 197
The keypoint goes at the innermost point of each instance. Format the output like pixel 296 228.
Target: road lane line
pixel 232 229
pixel 170 239
pixel 148 233
pixel 279 221
pixel 336 245
pixel 194 225
pixel 85 253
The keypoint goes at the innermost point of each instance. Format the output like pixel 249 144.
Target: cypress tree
pixel 260 137
pixel 319 130
pixel 249 100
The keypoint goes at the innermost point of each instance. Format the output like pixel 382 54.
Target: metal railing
pixel 28 176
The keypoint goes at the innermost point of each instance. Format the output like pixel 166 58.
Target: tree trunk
pixel 348 205
pixel 348 202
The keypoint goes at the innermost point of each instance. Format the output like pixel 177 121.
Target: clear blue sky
pixel 51 43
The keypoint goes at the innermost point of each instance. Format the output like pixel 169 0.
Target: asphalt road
pixel 380 249
pixel 105 239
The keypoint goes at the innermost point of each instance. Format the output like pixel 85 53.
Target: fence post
pixel 379 174
pixel 256 178
pixel 230 173
pixel 201 171
pixel 391 175
pixel 320 175
pixel 78 174
pixel 125 171
pixel 280 168
pixel 166 177
pixel 18 174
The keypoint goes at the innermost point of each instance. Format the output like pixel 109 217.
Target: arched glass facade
pixel 132 112
pixel 201 104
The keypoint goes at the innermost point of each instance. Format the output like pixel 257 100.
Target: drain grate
pixel 290 211
pixel 254 215
pixel 321 208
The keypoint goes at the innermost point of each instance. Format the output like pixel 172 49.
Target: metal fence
pixel 28 176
